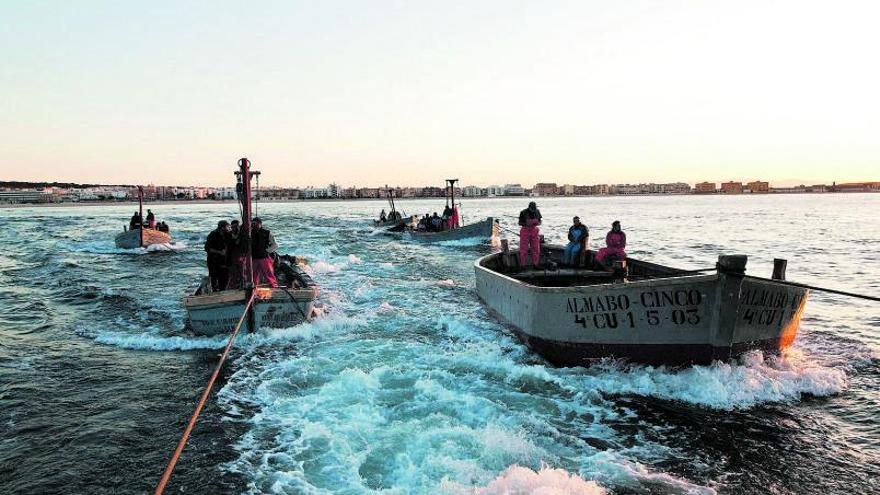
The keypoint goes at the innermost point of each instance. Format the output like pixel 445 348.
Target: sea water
pixel 406 384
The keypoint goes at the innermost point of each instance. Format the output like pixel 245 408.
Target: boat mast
pixel 390 197
pixel 451 186
pixel 244 180
pixel 141 214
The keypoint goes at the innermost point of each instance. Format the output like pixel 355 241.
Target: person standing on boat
pixel 215 246
pixel 151 219
pixel 529 235
pixel 135 222
pixel 235 255
pixel 615 241
pixel 382 217
pixel 447 218
pixel 455 218
pixel 262 246
pixel 577 240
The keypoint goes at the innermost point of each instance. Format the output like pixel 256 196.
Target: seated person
pixel 615 242
pixel 577 240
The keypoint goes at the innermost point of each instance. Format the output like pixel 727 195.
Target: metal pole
pixel 141 213
pixel 245 166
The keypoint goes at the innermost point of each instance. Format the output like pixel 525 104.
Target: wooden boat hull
pixel 675 320
pixel 131 239
pixel 217 313
pixel 408 222
pixel 485 229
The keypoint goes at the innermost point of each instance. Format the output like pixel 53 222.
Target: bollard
pixel 779 266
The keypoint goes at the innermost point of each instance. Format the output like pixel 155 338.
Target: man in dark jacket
pixel 262 247
pixel 215 246
pixel 135 222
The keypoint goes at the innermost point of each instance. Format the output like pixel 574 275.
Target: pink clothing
pixel 454 217
pixel 264 272
pixel 616 242
pixel 236 275
pixel 530 241
pixel 151 224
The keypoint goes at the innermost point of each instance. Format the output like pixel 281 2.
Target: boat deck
pixel 584 273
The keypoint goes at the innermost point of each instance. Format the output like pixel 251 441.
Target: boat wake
pixel 752 381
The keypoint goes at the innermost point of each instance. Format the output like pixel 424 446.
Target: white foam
pixel 355 260
pixel 518 480
pixel 754 380
pixel 320 267
pixel 446 283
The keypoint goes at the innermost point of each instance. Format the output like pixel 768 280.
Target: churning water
pixel 407 385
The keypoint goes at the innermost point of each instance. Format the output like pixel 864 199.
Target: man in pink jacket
pixel 615 241
pixel 529 235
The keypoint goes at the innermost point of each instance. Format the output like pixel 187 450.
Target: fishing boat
pixel 641 312
pixel 484 229
pixel 142 237
pixel 395 221
pixel 291 303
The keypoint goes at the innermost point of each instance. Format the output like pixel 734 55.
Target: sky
pixel 411 92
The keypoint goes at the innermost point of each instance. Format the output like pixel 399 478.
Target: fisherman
pixel 235 255
pixel 423 224
pixel 529 235
pixel 455 217
pixel 151 219
pixel 615 241
pixel 215 245
pixel 577 240
pixel 135 222
pixel 382 217
pixel 436 223
pixel 447 218
pixel 262 247
pixel 162 227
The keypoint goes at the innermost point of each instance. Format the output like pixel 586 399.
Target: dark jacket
pixel 528 214
pixel 260 244
pixel 216 240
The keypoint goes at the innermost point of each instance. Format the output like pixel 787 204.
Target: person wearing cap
pixel 262 246
pixel 529 235
pixel 615 242
pixel 236 252
pixel 577 240
pixel 215 246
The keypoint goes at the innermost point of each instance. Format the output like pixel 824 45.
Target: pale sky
pixel 410 92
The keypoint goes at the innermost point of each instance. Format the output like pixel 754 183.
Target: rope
pixel 192 422
pixel 816 288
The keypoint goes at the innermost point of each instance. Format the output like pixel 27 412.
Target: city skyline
pixel 579 92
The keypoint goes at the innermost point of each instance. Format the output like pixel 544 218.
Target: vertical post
pixel 141 213
pixel 245 171
pixel 731 270
pixel 779 266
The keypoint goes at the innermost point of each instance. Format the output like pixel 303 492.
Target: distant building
pixel 600 189
pixel 731 187
pixel 858 187
pixel 471 191
pixel 24 196
pixel 493 191
pixel 704 188
pixel 566 190
pixel 514 190
pixel 544 189
pixel 758 187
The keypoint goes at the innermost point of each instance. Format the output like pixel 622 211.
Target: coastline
pixel 339 200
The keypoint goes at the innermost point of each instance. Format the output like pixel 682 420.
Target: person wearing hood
pixel 615 242
pixel 263 245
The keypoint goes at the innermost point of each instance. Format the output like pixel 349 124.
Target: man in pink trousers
pixel 529 235
pixel 615 241
pixel 262 246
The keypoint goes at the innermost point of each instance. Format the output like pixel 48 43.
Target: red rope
pixel 192 421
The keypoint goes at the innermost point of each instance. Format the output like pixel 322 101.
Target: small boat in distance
pixel 484 229
pixel 654 314
pixel 395 220
pixel 290 303
pixel 141 237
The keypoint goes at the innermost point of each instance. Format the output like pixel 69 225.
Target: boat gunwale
pixel 610 285
pixel 414 234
